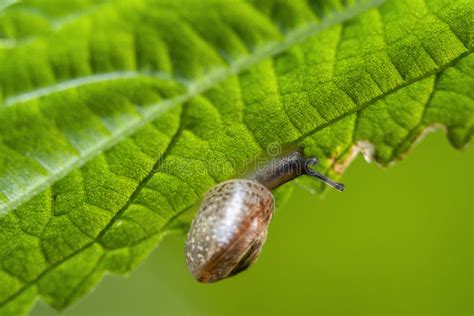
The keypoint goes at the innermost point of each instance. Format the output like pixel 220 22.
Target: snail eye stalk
pixel 314 161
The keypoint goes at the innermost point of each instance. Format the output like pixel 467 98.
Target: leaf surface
pixel 116 116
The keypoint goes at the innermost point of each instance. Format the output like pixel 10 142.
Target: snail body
pixel 231 224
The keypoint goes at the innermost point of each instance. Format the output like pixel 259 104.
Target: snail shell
pixel 229 229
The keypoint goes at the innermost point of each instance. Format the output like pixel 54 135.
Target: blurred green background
pixel 398 241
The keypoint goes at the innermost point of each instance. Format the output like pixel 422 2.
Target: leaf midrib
pixel 7 4
pixel 153 111
pixel 10 101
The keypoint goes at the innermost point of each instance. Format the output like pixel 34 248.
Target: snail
pixel 230 226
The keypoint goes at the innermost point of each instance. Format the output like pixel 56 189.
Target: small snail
pixel 230 227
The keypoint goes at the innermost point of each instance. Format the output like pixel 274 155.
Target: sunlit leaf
pixel 116 116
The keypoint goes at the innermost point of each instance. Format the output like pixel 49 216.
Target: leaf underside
pixel 116 116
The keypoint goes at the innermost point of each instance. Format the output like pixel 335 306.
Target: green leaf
pixel 116 116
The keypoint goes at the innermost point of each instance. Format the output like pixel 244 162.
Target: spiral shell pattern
pixel 229 229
